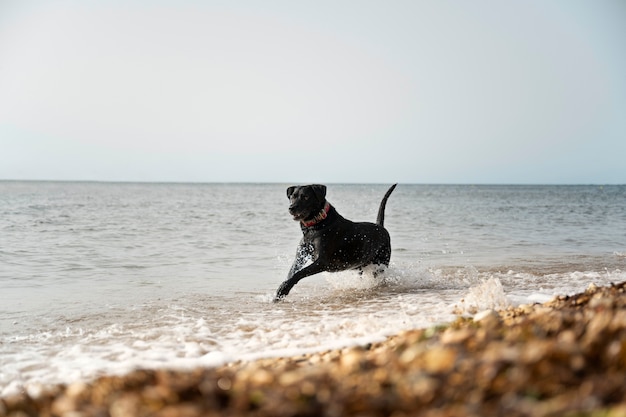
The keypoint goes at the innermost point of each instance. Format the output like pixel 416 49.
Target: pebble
pixel 452 336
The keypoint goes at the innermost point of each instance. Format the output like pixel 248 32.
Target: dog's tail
pixel 380 220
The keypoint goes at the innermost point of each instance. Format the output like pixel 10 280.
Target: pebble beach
pixel 564 357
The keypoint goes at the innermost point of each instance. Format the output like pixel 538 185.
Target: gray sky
pixel 325 91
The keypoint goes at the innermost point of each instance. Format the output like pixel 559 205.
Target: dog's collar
pixel 319 217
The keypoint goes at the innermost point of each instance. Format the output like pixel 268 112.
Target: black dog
pixel 330 241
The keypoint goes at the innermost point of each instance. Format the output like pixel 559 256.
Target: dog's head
pixel 306 201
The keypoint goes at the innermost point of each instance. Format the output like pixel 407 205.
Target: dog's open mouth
pixel 297 216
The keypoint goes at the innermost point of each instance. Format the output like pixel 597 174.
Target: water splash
pixel 488 295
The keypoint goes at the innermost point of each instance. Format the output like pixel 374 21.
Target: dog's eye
pixel 305 197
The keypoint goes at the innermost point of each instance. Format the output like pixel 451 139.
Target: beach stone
pixel 126 406
pixel 352 360
pixel 63 405
pixel 261 377
pixel 452 336
pixel 439 360
pixel 567 338
pixel 290 378
pixel 498 351
pixel 411 353
pixel 181 410
pixel 534 351
pixel 224 383
pixel 76 390
pixel 486 315
pixel 420 386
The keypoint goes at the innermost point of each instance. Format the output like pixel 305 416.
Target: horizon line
pixel 299 182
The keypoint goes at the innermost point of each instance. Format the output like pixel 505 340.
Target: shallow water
pixel 105 277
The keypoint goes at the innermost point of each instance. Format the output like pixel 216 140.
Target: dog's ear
pixel 290 191
pixel 319 190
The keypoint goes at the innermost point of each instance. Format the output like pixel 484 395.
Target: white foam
pixel 537 298
pixel 370 278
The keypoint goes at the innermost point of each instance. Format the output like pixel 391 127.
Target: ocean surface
pixel 103 278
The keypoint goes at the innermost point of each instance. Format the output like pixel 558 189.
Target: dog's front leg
pixel 292 280
pixel 303 254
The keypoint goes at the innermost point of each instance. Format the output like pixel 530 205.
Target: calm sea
pixel 103 278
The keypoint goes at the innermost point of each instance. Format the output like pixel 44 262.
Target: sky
pixel 348 91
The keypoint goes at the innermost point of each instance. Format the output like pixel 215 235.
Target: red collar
pixel 319 217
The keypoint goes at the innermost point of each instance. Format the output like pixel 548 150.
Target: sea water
pixel 104 278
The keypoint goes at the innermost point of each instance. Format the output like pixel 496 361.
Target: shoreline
pixel 563 357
